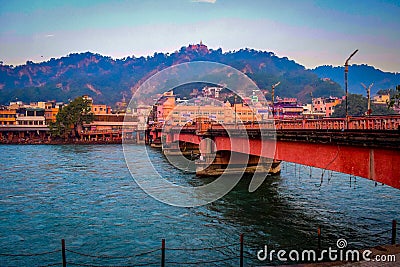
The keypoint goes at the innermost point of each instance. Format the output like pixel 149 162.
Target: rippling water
pixel 85 194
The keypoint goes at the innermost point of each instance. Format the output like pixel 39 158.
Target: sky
pixel 313 33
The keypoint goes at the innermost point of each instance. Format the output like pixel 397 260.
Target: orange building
pixel 100 109
pixel 97 109
pixel 381 99
pixel 51 110
pixel 164 106
pixel 8 116
pixel 325 105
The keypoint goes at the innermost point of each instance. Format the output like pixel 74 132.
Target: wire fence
pixel 234 256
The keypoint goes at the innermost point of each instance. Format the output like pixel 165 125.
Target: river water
pixel 86 195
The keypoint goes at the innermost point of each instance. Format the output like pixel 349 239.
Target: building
pixel 8 116
pixel 99 109
pixel 31 116
pixel 39 104
pixel 174 112
pixel 211 91
pixel 381 99
pixel 25 124
pixel 29 123
pixel 308 112
pixel 325 105
pixel 190 111
pixel 51 110
pixel 246 113
pixel 199 48
pixel 164 106
pixel 287 108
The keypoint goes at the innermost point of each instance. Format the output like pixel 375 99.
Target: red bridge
pixel 368 147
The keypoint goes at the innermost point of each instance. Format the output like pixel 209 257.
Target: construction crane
pixel 369 111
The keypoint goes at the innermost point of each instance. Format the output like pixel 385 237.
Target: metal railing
pixel 69 256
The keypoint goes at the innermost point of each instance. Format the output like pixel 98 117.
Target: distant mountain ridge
pixel 360 74
pixel 110 80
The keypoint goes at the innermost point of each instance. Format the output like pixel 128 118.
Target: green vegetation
pixel 395 97
pixel 357 106
pixel 70 119
pixel 109 81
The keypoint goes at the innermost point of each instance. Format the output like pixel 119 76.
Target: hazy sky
pixel 310 32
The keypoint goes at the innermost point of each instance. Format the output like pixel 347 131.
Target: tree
pixel 70 119
pixel 357 106
pixel 395 98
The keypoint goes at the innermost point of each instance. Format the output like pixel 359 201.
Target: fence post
pixel 394 230
pixel 64 258
pixel 241 250
pixel 163 252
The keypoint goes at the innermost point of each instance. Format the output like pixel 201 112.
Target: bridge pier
pixel 180 148
pixel 221 162
pixel 153 137
pixel 216 163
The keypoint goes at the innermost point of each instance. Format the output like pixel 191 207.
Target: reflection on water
pixel 86 195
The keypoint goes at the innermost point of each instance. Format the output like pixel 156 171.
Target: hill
pixel 110 80
pixel 360 74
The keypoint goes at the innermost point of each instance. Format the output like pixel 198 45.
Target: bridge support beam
pixel 214 163
pixel 221 162
pixel 177 148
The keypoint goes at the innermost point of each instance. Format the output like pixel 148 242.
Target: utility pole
pixel 346 70
pixel 234 104
pixel 273 97
pixel 312 104
pixel 368 96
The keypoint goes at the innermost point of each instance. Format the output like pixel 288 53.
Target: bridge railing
pixel 375 123
pixel 354 123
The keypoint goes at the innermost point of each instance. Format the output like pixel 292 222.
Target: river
pixel 86 195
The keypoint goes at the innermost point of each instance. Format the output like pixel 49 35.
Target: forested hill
pixel 109 80
pixel 360 74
